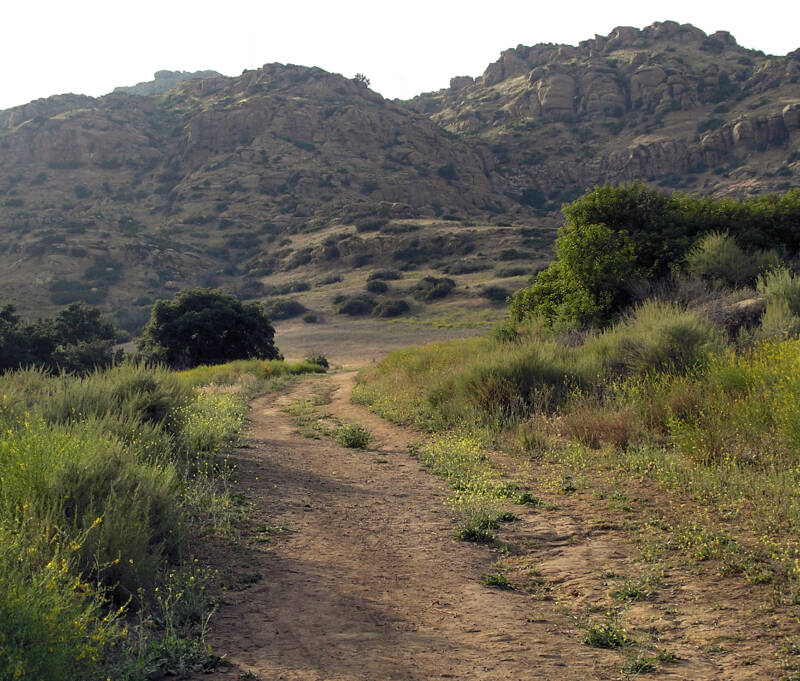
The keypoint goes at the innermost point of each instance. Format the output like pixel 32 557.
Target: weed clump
pixel 497 581
pixel 353 436
pixel 609 634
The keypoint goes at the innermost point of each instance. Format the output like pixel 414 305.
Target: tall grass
pixel 101 479
pixel 500 380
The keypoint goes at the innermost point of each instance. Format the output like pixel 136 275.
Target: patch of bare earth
pixel 348 570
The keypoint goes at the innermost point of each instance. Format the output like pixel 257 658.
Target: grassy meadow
pixel 105 483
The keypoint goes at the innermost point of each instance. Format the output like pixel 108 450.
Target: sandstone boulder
pixel 600 92
pixel 555 91
pixel 460 82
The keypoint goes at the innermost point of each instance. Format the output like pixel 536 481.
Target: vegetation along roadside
pixel 106 482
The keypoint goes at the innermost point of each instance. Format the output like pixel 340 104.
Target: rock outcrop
pixel 164 81
pixel 667 103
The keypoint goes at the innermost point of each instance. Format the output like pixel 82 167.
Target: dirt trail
pixel 350 571
pixel 368 583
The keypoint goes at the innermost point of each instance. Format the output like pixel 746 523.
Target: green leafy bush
pixel 356 306
pixel 77 340
pixel 353 436
pixel 391 308
pixel 658 337
pixel 53 625
pixel 285 309
pixel 615 236
pixel 781 290
pixel 377 286
pixel 387 275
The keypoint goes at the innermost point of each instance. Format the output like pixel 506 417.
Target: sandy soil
pixel 348 571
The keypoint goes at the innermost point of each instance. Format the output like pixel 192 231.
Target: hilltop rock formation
pixel 165 80
pixel 667 104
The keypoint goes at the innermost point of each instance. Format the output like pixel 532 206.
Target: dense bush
pixel 386 275
pixel 431 288
pixel 285 309
pixel 718 259
pixel 103 479
pixel 658 337
pixel 370 224
pixel 204 326
pixel 781 290
pixel 377 286
pixel 614 236
pixel 391 308
pixel 496 294
pixel 356 306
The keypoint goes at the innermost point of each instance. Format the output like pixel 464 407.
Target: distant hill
pixel 290 174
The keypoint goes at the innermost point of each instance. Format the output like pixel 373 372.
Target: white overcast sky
pixel 90 46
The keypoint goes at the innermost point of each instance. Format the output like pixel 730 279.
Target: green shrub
pixel 779 320
pixel 356 306
pixel 717 258
pixel 204 326
pixel 52 625
pixel 370 224
pixel 431 288
pixel 391 308
pixel 133 391
pixel 285 309
pixel 386 275
pixel 508 272
pixel 513 384
pixel 781 290
pixel 319 360
pixel 607 635
pixel 658 337
pixel 496 294
pixel 353 436
pixel 614 236
pixel 71 476
pixel 497 581
pixel 780 284
pixel 377 286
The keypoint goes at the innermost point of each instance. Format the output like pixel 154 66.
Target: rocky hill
pixel 289 174
pixel 667 104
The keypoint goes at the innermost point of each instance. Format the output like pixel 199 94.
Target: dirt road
pixel 349 571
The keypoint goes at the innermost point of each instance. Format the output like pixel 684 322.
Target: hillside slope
pixel 288 173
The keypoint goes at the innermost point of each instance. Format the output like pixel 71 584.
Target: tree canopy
pixel 78 340
pixel 205 326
